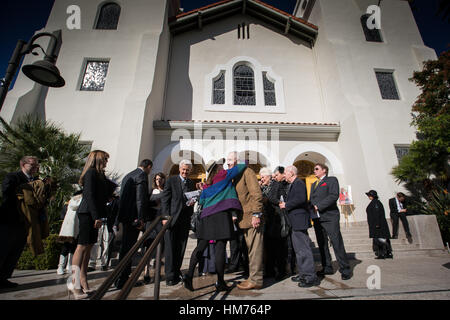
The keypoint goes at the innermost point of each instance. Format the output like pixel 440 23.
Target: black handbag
pixel 285 224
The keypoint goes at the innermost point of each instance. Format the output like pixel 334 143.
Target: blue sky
pixel 19 19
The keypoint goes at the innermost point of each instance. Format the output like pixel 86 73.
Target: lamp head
pixel 44 72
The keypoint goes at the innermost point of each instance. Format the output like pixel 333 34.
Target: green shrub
pixel 45 261
pixel 439 205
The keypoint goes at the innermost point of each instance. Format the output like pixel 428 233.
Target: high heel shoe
pixel 221 286
pixel 87 291
pixel 77 293
pixel 187 280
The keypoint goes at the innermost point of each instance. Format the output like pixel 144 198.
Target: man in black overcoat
pixel 378 227
pixel 134 210
pixel 13 234
pixel 174 204
pixel 324 195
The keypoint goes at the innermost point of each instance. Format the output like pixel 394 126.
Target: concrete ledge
pixel 425 231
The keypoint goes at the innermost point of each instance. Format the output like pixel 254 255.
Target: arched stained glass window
pixel 108 17
pixel 219 89
pixel 269 91
pixel 244 86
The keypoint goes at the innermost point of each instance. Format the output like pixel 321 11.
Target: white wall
pixel 197 53
pixel 113 118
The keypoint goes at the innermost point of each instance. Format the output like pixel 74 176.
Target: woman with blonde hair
pixel 96 191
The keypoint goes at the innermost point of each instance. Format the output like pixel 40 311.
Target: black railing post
pixel 157 271
pixel 123 294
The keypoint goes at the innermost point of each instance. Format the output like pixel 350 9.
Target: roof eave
pixel 282 21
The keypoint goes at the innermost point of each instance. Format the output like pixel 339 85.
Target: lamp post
pixel 43 71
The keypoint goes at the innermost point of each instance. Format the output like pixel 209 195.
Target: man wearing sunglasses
pixel 324 195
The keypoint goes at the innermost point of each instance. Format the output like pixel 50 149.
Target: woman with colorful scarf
pixel 218 200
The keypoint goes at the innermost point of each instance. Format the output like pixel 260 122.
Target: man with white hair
pixel 250 221
pixel 297 207
pixel 174 204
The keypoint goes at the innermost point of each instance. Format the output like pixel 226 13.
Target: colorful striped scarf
pixel 221 195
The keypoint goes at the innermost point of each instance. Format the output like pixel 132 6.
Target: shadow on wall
pixel 33 102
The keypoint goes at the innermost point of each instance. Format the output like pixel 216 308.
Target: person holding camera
pixel 134 210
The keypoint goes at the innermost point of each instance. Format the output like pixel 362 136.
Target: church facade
pixel 145 80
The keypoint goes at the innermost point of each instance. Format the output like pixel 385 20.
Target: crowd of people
pixel 265 222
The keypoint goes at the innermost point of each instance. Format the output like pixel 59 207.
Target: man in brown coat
pixel 250 221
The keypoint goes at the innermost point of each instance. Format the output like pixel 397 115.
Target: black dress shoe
pixel 187 280
pixel 6 284
pixel 380 257
pixel 346 276
pixel 221 286
pixel 297 278
pixel 394 237
pixel 305 284
pixel 147 279
pixel 172 282
pixel 389 256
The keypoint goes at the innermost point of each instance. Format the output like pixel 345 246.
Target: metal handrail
pixel 123 294
pixel 101 291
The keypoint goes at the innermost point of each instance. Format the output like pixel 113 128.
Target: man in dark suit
pixel 134 210
pixel 13 234
pixel 398 210
pixel 297 207
pixel 174 204
pixel 324 194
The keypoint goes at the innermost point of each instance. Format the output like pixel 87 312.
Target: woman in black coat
pixel 378 227
pixel 97 189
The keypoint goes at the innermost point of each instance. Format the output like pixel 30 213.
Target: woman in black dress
pixel 378 227
pixel 96 191
pixel 217 226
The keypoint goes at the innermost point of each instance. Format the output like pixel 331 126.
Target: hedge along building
pixel 146 81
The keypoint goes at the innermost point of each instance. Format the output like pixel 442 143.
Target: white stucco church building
pixel 146 80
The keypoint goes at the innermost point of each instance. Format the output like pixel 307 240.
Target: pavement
pixel 418 277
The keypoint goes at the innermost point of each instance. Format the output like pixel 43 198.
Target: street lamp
pixel 43 71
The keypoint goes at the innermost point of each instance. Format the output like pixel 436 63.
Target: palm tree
pixel 60 155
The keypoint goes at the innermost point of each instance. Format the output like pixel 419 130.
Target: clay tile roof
pixel 262 122
pixel 184 14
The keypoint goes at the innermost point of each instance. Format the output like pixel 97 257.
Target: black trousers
pixel 175 241
pixel 68 247
pixel 13 238
pixel 331 229
pixel 129 237
pixel 276 251
pixel 197 255
pixel 395 217
pixel 238 251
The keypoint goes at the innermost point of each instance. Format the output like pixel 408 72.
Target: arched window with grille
pixel 244 86
pixel 219 89
pixel 108 16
